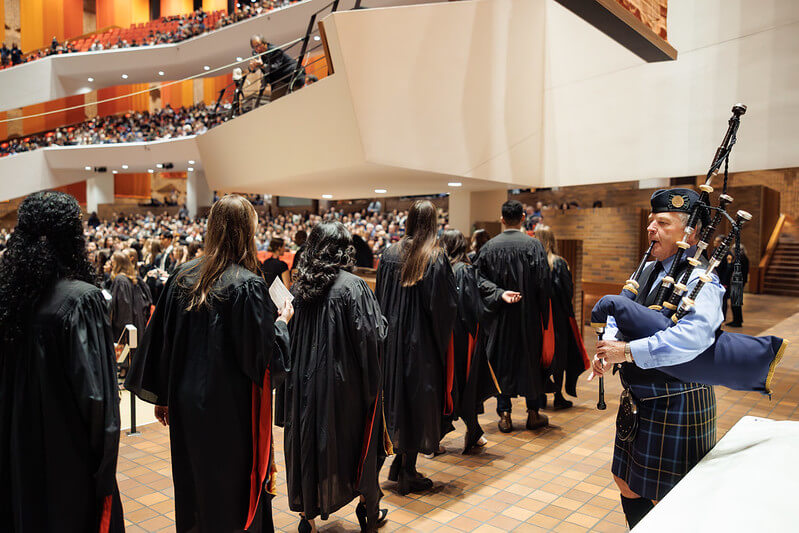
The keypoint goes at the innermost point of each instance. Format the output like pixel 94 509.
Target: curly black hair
pixel 328 249
pixel 47 245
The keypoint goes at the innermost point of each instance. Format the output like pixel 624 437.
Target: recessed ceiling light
pixel 191 169
pixel 150 170
pixel 114 171
pixel 454 184
pixel 159 165
pixel 327 196
pixel 191 161
pixel 238 59
pixel 206 67
pixel 90 80
pixel 317 38
pixel 380 191
pixel 87 168
pixel 160 72
pixel 124 167
pixel 124 76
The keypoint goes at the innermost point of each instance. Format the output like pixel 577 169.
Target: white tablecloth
pixel 749 482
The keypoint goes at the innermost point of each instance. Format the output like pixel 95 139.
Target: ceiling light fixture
pixel 317 38
pixel 160 72
pixel 454 184
pixel 124 76
pixel 380 191
pixel 90 80
pixel 87 168
pixel 159 165
pixel 206 67
pixel 238 59
pixel 124 167
pixel 191 161
pixel 150 170
pixel 191 169
pixel 327 196
pixel 114 171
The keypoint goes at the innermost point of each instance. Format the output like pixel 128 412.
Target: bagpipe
pixel 739 362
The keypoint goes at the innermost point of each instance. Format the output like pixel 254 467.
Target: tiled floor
pixel 554 479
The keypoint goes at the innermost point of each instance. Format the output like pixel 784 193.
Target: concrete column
pixel 99 190
pixel 467 208
pixel 198 193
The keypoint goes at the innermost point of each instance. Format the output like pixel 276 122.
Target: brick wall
pixel 785 181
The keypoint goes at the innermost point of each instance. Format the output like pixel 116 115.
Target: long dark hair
pixel 455 245
pixel 479 238
pixel 47 245
pixel 419 245
pixel 230 239
pixel 328 249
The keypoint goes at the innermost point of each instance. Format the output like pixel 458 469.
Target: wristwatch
pixel 628 354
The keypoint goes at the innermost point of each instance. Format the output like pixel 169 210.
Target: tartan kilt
pixel 676 428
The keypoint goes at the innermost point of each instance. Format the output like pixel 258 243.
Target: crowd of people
pixel 134 126
pixel 359 374
pixel 188 26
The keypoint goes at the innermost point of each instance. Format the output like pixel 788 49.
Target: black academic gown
pixel 511 335
pixel 130 304
pixel 334 420
pixel 59 418
pixel 419 368
pixel 214 368
pixel 474 381
pixel 570 357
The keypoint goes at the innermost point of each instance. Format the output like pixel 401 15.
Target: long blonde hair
pixel 121 264
pixel 230 239
pixel 547 238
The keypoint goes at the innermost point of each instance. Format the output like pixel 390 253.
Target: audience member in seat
pixel 208 360
pixel 59 402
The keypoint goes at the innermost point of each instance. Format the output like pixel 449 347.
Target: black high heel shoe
pixel 360 512
pixel 304 527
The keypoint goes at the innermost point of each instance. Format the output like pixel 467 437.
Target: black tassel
pixel 737 281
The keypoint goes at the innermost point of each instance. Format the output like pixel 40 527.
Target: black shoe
pixel 734 324
pixel 304 527
pixel 413 483
pixel 360 512
pixel 535 420
pixel 505 423
pixel 561 402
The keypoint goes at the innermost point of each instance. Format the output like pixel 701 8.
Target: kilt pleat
pixel 676 428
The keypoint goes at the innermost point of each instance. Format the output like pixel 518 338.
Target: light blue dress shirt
pixel 691 336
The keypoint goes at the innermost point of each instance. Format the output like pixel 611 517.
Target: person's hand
pixel 162 414
pixel 286 312
pixel 597 368
pixel 511 297
pixel 255 64
pixel 611 351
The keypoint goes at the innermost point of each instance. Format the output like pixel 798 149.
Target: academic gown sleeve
pixel 490 292
pixel 442 304
pixel 91 370
pixel 470 304
pixel 368 330
pixel 259 342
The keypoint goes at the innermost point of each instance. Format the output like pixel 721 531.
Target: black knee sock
pixel 635 509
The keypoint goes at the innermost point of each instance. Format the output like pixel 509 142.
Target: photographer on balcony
pixel 276 69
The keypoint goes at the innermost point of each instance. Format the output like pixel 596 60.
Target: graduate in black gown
pixel 208 360
pixel 514 283
pixel 474 379
pixel 416 290
pixel 130 296
pixel 334 417
pixel 59 404
pixel 570 358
